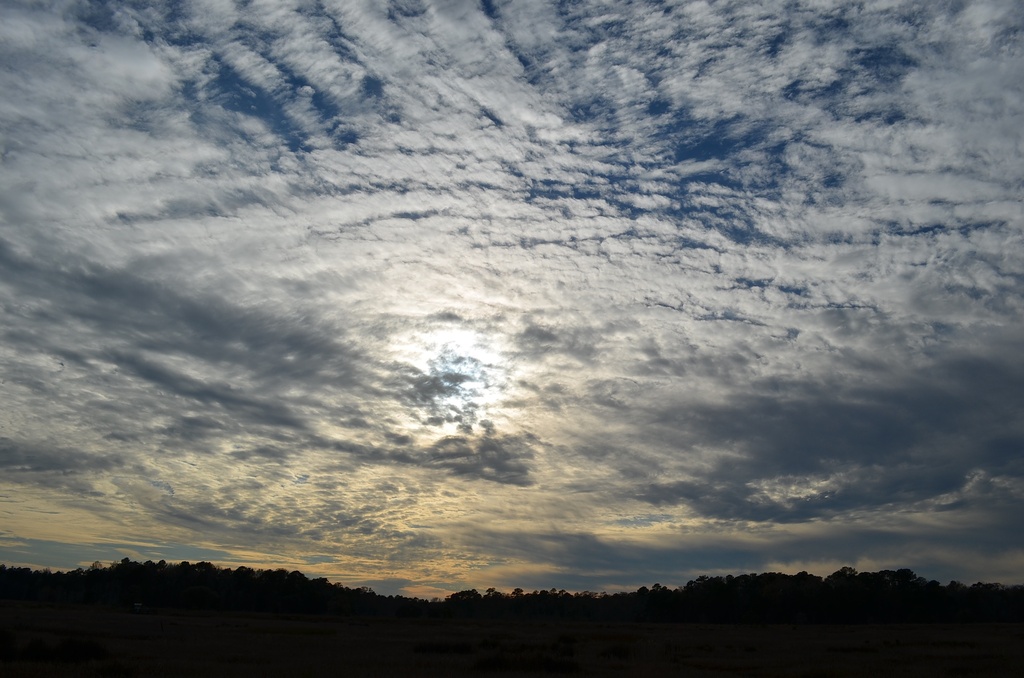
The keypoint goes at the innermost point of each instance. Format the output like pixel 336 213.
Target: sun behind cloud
pixel 458 377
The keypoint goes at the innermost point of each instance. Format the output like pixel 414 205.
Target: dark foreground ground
pixel 57 641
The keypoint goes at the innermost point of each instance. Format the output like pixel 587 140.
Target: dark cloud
pixel 504 459
pixel 574 342
pixel 797 450
pixel 18 458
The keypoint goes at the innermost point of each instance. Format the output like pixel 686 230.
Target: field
pixel 61 641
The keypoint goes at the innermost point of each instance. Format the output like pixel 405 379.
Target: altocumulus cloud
pixel 450 294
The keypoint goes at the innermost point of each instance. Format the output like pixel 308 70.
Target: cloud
pixel 349 278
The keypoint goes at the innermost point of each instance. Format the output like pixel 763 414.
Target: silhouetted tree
pixel 845 596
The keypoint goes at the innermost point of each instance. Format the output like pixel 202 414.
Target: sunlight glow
pixel 462 374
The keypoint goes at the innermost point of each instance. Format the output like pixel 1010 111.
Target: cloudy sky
pixel 437 294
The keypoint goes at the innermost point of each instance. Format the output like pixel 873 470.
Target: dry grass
pixel 119 644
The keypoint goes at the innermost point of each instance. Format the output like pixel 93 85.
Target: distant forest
pixel 843 597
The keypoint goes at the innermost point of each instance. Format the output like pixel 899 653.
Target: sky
pixel 428 295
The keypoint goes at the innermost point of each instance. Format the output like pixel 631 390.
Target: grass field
pixel 81 641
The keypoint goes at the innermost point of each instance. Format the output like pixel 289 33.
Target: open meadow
pixel 39 640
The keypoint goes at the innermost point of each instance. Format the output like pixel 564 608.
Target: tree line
pixel 843 597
